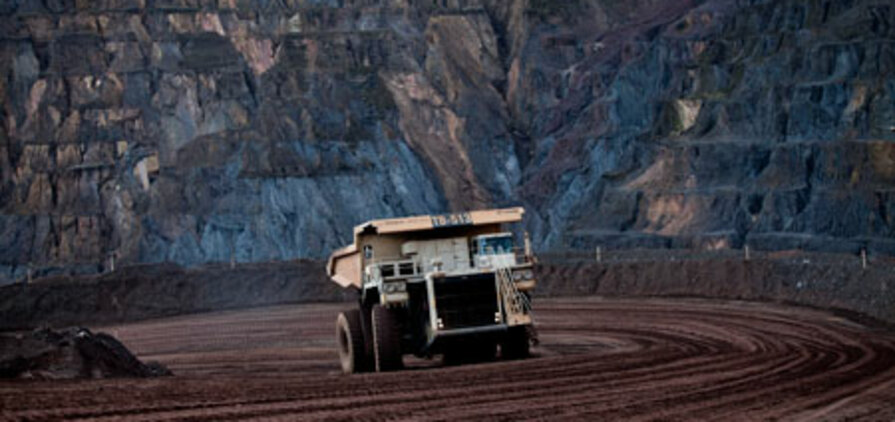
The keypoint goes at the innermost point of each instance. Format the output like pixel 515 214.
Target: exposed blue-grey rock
pixel 195 131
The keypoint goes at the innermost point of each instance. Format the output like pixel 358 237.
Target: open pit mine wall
pixel 195 131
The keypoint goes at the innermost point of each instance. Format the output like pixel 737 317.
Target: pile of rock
pixel 70 354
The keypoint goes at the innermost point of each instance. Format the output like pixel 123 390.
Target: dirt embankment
pixel 828 281
pixel 819 280
pixel 151 291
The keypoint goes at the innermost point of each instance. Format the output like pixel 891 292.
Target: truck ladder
pixel 513 300
pixel 516 304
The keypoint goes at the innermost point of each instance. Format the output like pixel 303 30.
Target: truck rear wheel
pixel 516 344
pixel 350 335
pixel 386 339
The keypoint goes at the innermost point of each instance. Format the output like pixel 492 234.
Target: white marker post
pixel 864 258
pixel 746 253
pixel 599 254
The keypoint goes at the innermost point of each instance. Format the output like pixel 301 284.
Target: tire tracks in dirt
pixel 608 359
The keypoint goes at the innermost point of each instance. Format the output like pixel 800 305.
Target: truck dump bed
pixel 378 239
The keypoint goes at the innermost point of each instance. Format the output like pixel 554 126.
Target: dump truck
pixel 453 285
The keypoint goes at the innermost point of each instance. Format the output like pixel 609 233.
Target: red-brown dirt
pixel 598 359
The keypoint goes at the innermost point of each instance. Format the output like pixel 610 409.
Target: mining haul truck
pixel 453 285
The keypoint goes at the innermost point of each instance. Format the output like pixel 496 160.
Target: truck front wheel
pixel 386 339
pixel 350 335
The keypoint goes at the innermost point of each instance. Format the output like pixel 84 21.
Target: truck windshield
pixel 496 245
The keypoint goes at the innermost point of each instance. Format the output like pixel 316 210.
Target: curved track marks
pixel 607 359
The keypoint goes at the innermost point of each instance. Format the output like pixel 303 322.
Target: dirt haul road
pixel 599 359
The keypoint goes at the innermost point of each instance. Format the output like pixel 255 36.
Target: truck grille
pixel 466 301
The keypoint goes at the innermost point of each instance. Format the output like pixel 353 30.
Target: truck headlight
pixel 517 275
pixel 528 274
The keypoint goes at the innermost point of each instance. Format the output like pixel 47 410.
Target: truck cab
pixel 494 251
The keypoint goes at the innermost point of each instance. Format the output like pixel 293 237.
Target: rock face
pixel 195 131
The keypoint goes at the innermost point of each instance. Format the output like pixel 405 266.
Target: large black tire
pixel 350 337
pixel 387 354
pixel 515 344
pixel 367 325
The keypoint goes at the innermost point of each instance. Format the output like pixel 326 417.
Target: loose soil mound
pixel 71 354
